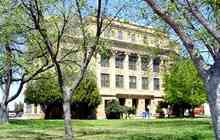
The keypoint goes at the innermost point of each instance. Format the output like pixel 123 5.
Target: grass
pixel 164 129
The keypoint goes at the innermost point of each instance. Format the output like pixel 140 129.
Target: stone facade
pixel 32 111
pixel 130 41
pixel 135 82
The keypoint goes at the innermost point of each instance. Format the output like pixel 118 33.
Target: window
pixel 120 35
pixel 104 61
pixel 28 108
pixel 145 39
pixel 132 81
pixel 119 81
pixel 156 65
pixel 144 83
pixel 105 81
pixel 156 84
pixel 133 38
pixel 119 60
pixel 132 62
pixel 144 63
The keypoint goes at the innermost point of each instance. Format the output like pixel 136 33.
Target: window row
pixel 132 62
pixel 121 35
pixel 119 82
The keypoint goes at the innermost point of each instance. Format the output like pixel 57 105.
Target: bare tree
pixel 196 20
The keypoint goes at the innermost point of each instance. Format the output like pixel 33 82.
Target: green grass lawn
pixel 165 129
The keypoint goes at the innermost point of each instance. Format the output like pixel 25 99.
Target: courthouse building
pixel 131 71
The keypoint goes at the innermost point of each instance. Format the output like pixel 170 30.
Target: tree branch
pixel 209 27
pixel 187 41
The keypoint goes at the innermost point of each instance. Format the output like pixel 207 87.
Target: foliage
pixel 114 110
pixel 114 106
pixel 88 92
pixel 43 91
pixel 129 110
pixel 183 85
pixel 46 92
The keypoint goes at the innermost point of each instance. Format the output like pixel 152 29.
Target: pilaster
pixel 128 102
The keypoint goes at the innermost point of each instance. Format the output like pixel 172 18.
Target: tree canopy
pixel 183 85
pixel 46 92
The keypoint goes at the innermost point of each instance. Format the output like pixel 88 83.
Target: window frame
pixel 145 85
pixel 105 83
pixel 156 86
pixel 132 84
pixel 103 61
pixel 119 81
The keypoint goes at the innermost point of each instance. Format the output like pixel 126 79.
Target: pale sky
pixel 13 91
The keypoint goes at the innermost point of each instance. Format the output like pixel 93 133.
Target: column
pixel 25 108
pixel 39 111
pixel 128 102
pixel 126 69
pixel 139 80
pixel 151 75
pixel 153 107
pixel 140 107
pixel 98 71
pixel 32 108
pixel 112 71
pixel 100 110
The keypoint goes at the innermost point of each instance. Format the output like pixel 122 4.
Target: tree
pixel 16 55
pixel 71 25
pixel 198 29
pixel 184 89
pixel 46 93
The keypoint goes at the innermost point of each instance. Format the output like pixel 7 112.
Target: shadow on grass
pixel 37 123
pixel 145 136
pixel 123 134
pixel 31 135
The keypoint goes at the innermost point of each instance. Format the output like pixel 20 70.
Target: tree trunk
pixel 213 88
pixel 67 115
pixel 3 114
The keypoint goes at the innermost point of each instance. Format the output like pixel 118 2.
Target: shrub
pixel 114 110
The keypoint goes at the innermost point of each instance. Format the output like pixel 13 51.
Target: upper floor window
pixel 145 39
pixel 132 82
pixel 133 62
pixel 105 80
pixel 133 37
pixel 156 84
pixel 144 62
pixel 119 60
pixel 120 35
pixel 156 64
pixel 144 83
pixel 104 61
pixel 119 81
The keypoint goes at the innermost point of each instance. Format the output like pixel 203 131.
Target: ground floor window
pixel 28 108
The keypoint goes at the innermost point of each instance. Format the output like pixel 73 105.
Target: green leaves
pixel 183 85
pixel 46 91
